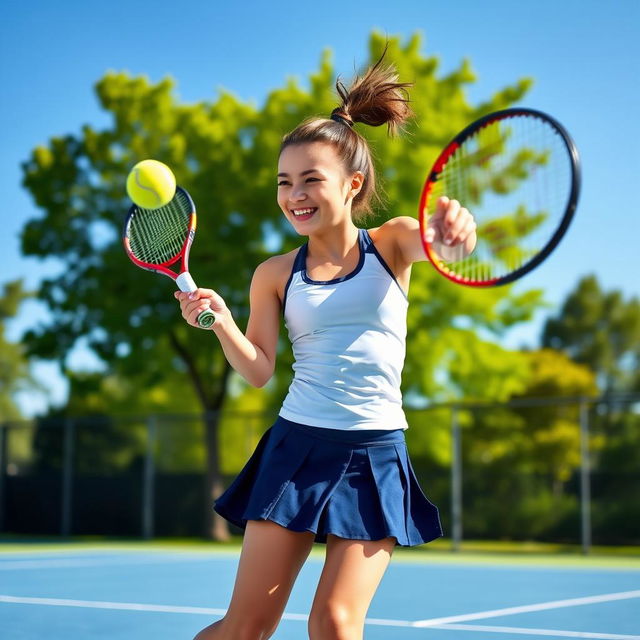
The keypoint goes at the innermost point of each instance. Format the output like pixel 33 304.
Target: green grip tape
pixel 206 319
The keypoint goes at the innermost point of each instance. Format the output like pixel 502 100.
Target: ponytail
pixel 375 99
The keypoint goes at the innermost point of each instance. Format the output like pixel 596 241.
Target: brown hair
pixel 375 99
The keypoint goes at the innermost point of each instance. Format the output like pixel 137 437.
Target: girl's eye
pixel 284 182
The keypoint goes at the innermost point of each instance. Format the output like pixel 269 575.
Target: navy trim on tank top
pixel 371 248
pixel 296 267
pixel 365 244
pixel 308 280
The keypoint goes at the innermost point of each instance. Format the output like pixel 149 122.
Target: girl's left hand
pixel 451 230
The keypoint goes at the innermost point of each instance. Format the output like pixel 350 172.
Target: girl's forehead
pixel 319 154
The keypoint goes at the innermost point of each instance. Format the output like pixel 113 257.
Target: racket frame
pixel 442 160
pixel 182 278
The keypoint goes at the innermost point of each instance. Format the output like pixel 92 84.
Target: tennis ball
pixel 151 184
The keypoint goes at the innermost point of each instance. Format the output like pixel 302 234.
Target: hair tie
pixel 342 117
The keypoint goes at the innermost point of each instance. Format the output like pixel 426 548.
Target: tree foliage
pixel 519 459
pixel 224 152
pixel 14 366
pixel 601 330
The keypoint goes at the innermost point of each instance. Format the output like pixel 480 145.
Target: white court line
pixel 543 606
pixel 538 632
pixel 120 606
pixel 127 606
pixel 57 563
pixel 165 608
pixel 131 606
pixel 383 622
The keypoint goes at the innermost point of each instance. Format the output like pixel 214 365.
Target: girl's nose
pixel 298 194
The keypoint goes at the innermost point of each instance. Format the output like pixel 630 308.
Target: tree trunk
pixel 216 526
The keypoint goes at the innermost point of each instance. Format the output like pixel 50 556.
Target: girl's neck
pixel 333 245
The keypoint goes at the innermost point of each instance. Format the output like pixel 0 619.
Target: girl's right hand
pixel 194 303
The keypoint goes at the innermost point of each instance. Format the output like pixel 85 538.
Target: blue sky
pixel 583 55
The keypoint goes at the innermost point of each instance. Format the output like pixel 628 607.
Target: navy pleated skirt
pixel 353 484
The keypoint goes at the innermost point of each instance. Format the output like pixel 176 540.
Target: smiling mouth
pixel 303 214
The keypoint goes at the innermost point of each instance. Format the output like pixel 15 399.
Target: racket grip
pixel 186 283
pixel 206 318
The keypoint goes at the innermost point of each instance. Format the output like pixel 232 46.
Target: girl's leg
pixel 271 559
pixel 351 574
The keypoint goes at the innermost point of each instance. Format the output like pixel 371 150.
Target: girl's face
pixel 314 192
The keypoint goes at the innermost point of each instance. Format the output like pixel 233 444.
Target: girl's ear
pixel 357 181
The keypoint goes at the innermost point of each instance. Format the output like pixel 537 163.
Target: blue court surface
pixel 146 593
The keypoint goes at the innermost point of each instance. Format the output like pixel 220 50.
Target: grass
pixel 439 551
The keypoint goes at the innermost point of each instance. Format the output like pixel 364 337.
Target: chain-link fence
pixel 549 469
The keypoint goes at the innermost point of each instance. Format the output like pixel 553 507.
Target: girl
pixel 334 467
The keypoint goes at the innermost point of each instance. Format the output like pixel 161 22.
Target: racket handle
pixel 186 283
pixel 206 318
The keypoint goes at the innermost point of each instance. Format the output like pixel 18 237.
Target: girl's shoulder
pixel 399 239
pixel 281 262
pixel 390 230
pixel 276 270
pixel 384 239
pixel 388 240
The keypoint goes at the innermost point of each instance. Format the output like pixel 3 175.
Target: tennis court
pixel 118 592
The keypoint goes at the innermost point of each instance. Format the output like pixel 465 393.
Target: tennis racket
pixel 517 171
pixel 156 239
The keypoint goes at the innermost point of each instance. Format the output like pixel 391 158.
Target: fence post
pixel 585 478
pixel 67 478
pixel 456 481
pixel 148 481
pixel 4 437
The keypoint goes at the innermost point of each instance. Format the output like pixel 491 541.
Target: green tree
pixel 519 459
pixel 601 330
pixel 224 152
pixel 14 366
pixel 550 442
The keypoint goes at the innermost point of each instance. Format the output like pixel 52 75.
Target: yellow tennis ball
pixel 151 184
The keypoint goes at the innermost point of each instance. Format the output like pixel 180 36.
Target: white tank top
pixel 348 337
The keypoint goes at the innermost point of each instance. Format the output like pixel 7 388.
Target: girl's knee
pixel 211 632
pixel 334 622
pixel 246 628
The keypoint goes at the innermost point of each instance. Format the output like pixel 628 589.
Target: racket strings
pixel 514 175
pixel 156 236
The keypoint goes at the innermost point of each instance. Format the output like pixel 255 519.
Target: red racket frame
pixel 442 160
pixel 163 267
